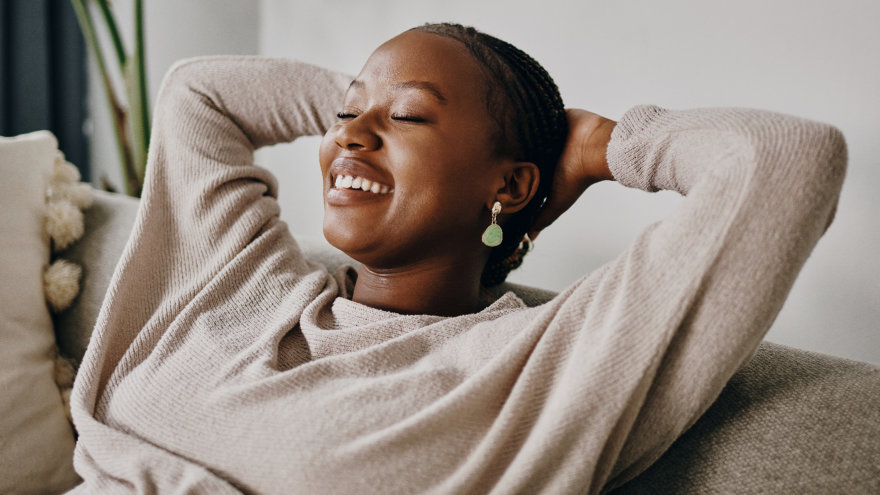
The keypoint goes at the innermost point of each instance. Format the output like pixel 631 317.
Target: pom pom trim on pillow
pixel 64 224
pixel 66 197
pixel 61 284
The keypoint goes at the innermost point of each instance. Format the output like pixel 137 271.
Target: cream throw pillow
pixel 36 440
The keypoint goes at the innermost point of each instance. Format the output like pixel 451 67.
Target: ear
pixel 520 186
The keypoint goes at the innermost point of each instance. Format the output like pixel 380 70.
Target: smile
pixel 360 183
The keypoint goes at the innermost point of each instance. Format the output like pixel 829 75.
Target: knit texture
pixel 223 361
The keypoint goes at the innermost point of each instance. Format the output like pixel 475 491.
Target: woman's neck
pixel 450 288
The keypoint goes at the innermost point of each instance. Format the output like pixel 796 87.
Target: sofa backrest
pixel 790 421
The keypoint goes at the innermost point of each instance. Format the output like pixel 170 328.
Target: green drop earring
pixel 492 236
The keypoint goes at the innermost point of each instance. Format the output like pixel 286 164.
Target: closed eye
pixel 408 118
pixel 343 115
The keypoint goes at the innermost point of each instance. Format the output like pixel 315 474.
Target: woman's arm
pixel 582 164
pixel 204 198
pixel 677 314
pixel 212 113
pixel 207 211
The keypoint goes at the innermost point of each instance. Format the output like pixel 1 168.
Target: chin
pixel 375 241
pixel 350 241
pixel 366 246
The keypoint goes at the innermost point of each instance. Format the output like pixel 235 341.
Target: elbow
pixel 184 95
pixel 832 165
pixel 836 164
pixel 187 77
pixel 802 165
pixel 818 152
pixel 174 93
pixel 833 154
pixel 824 162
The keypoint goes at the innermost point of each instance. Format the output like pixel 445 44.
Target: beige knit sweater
pixel 225 362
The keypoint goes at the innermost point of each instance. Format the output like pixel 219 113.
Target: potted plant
pixel 129 106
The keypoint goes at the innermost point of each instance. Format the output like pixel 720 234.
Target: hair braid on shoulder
pixel 525 103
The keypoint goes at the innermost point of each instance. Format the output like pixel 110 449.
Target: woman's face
pixel 414 124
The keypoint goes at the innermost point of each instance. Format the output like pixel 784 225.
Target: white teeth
pixel 354 182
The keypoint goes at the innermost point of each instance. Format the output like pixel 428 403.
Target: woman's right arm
pixel 203 190
pixel 207 211
pixel 204 197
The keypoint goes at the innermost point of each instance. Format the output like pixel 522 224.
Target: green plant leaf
pixel 138 133
pixel 110 21
pixel 117 112
pixel 131 124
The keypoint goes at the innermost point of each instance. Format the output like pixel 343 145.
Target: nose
pixel 357 134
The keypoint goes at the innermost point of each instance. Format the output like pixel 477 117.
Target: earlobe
pixel 520 186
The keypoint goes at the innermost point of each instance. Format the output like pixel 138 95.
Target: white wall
pixel 816 59
pixel 174 30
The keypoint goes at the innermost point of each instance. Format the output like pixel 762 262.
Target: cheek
pixel 433 173
pixel 325 151
pixel 442 192
pixel 441 156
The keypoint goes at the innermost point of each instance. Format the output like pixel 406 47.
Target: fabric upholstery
pixel 107 225
pixel 789 421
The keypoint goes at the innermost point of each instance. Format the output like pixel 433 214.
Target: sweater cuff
pixel 630 145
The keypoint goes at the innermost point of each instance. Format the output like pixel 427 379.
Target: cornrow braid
pixel 527 107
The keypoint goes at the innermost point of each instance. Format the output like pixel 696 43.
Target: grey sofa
pixel 790 421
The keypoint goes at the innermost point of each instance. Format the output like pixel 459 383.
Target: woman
pixel 223 361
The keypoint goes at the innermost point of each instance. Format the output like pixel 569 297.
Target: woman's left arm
pixel 677 314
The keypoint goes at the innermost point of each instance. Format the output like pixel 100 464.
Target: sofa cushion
pixel 36 440
pixel 108 223
pixel 790 421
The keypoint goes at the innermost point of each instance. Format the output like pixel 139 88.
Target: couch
pixel 790 421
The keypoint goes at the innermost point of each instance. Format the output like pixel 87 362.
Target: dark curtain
pixel 43 74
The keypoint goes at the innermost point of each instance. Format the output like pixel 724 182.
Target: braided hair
pixel 531 126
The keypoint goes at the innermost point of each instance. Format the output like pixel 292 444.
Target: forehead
pixel 428 58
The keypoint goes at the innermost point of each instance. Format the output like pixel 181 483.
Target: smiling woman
pixel 223 361
pixel 415 120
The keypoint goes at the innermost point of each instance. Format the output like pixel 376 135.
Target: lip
pixel 347 165
pixel 356 167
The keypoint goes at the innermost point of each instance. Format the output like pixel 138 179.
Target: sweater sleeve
pixel 204 198
pixel 687 305
pixel 205 204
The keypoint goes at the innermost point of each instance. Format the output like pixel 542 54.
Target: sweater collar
pixel 351 313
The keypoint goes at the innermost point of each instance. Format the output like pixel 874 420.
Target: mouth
pixel 358 183
pixel 354 181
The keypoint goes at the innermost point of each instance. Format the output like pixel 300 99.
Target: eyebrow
pixel 420 85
